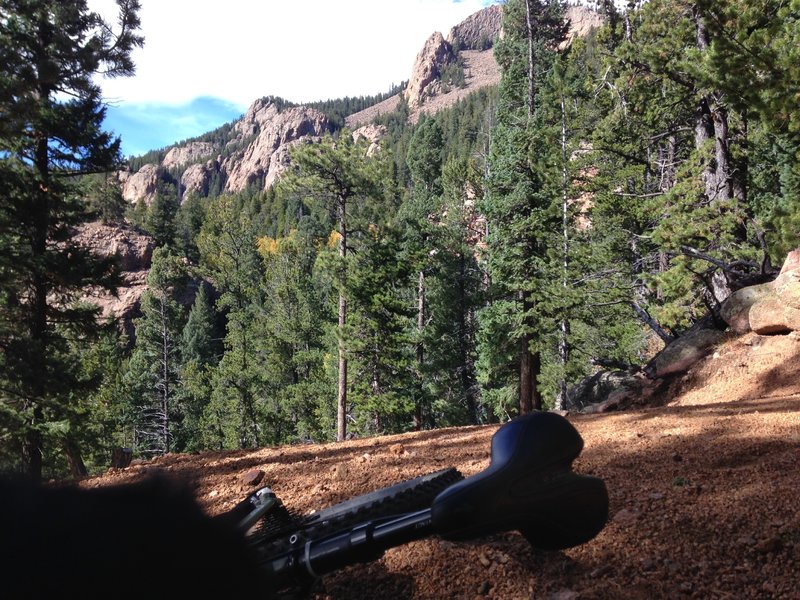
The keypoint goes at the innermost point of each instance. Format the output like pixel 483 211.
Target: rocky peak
pixel 478 31
pixel 267 156
pixel 260 112
pixel 436 54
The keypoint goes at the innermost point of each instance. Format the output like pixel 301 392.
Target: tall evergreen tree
pixel 155 361
pixel 200 351
pixel 161 216
pixel 342 179
pixel 297 325
pixel 454 292
pixel 519 205
pixel 377 334
pixel 228 254
pixel 418 215
pixel 51 131
pixel 677 146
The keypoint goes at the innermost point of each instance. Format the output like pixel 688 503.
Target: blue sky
pixel 204 61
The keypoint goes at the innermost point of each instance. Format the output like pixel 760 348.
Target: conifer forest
pixel 595 205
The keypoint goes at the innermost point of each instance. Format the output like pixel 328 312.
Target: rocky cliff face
pixel 581 21
pixel 140 186
pixel 256 155
pixel 435 55
pixel 273 134
pixel 134 250
pixel 472 39
pixel 477 32
pixel 187 154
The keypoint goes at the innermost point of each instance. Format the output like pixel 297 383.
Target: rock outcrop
pixel 581 21
pixel 679 355
pixel 196 178
pixel 435 55
pixel 472 40
pixel 478 31
pixel 134 251
pixel 256 155
pixel 373 134
pixel 140 186
pixel 192 152
pixel 274 132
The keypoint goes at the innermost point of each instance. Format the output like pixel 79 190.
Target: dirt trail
pixel 703 490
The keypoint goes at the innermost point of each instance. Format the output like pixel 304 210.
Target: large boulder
pixel 767 308
pixel 679 355
pixel 779 311
pixel 735 309
pixel 608 390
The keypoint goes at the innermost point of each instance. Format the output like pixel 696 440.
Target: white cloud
pixel 301 50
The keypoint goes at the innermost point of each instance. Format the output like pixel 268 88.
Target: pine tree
pixel 418 215
pixel 377 334
pixel 752 57
pixel 455 291
pixel 519 205
pixel 341 179
pixel 297 326
pixel 229 257
pixel 161 217
pixel 155 361
pixel 679 146
pixel 200 351
pixel 51 131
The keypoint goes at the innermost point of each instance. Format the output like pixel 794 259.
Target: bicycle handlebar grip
pixel 529 487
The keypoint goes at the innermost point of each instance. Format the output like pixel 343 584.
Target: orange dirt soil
pixel 704 494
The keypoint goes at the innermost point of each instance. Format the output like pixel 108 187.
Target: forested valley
pixel 604 199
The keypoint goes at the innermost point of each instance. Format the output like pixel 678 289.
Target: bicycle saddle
pixel 529 486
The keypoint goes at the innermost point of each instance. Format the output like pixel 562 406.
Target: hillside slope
pixel 703 489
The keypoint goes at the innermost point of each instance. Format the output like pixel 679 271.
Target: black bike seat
pixel 529 487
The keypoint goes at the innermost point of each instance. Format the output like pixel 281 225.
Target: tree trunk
pixel 711 123
pixel 32 443
pixel 165 391
pixel 530 366
pixel 417 424
pixel 77 468
pixel 341 403
pixel 563 341
pixel 652 323
pixel 37 324
pixel 466 339
pixel 531 66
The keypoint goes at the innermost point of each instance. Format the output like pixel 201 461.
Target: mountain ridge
pixel 257 150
